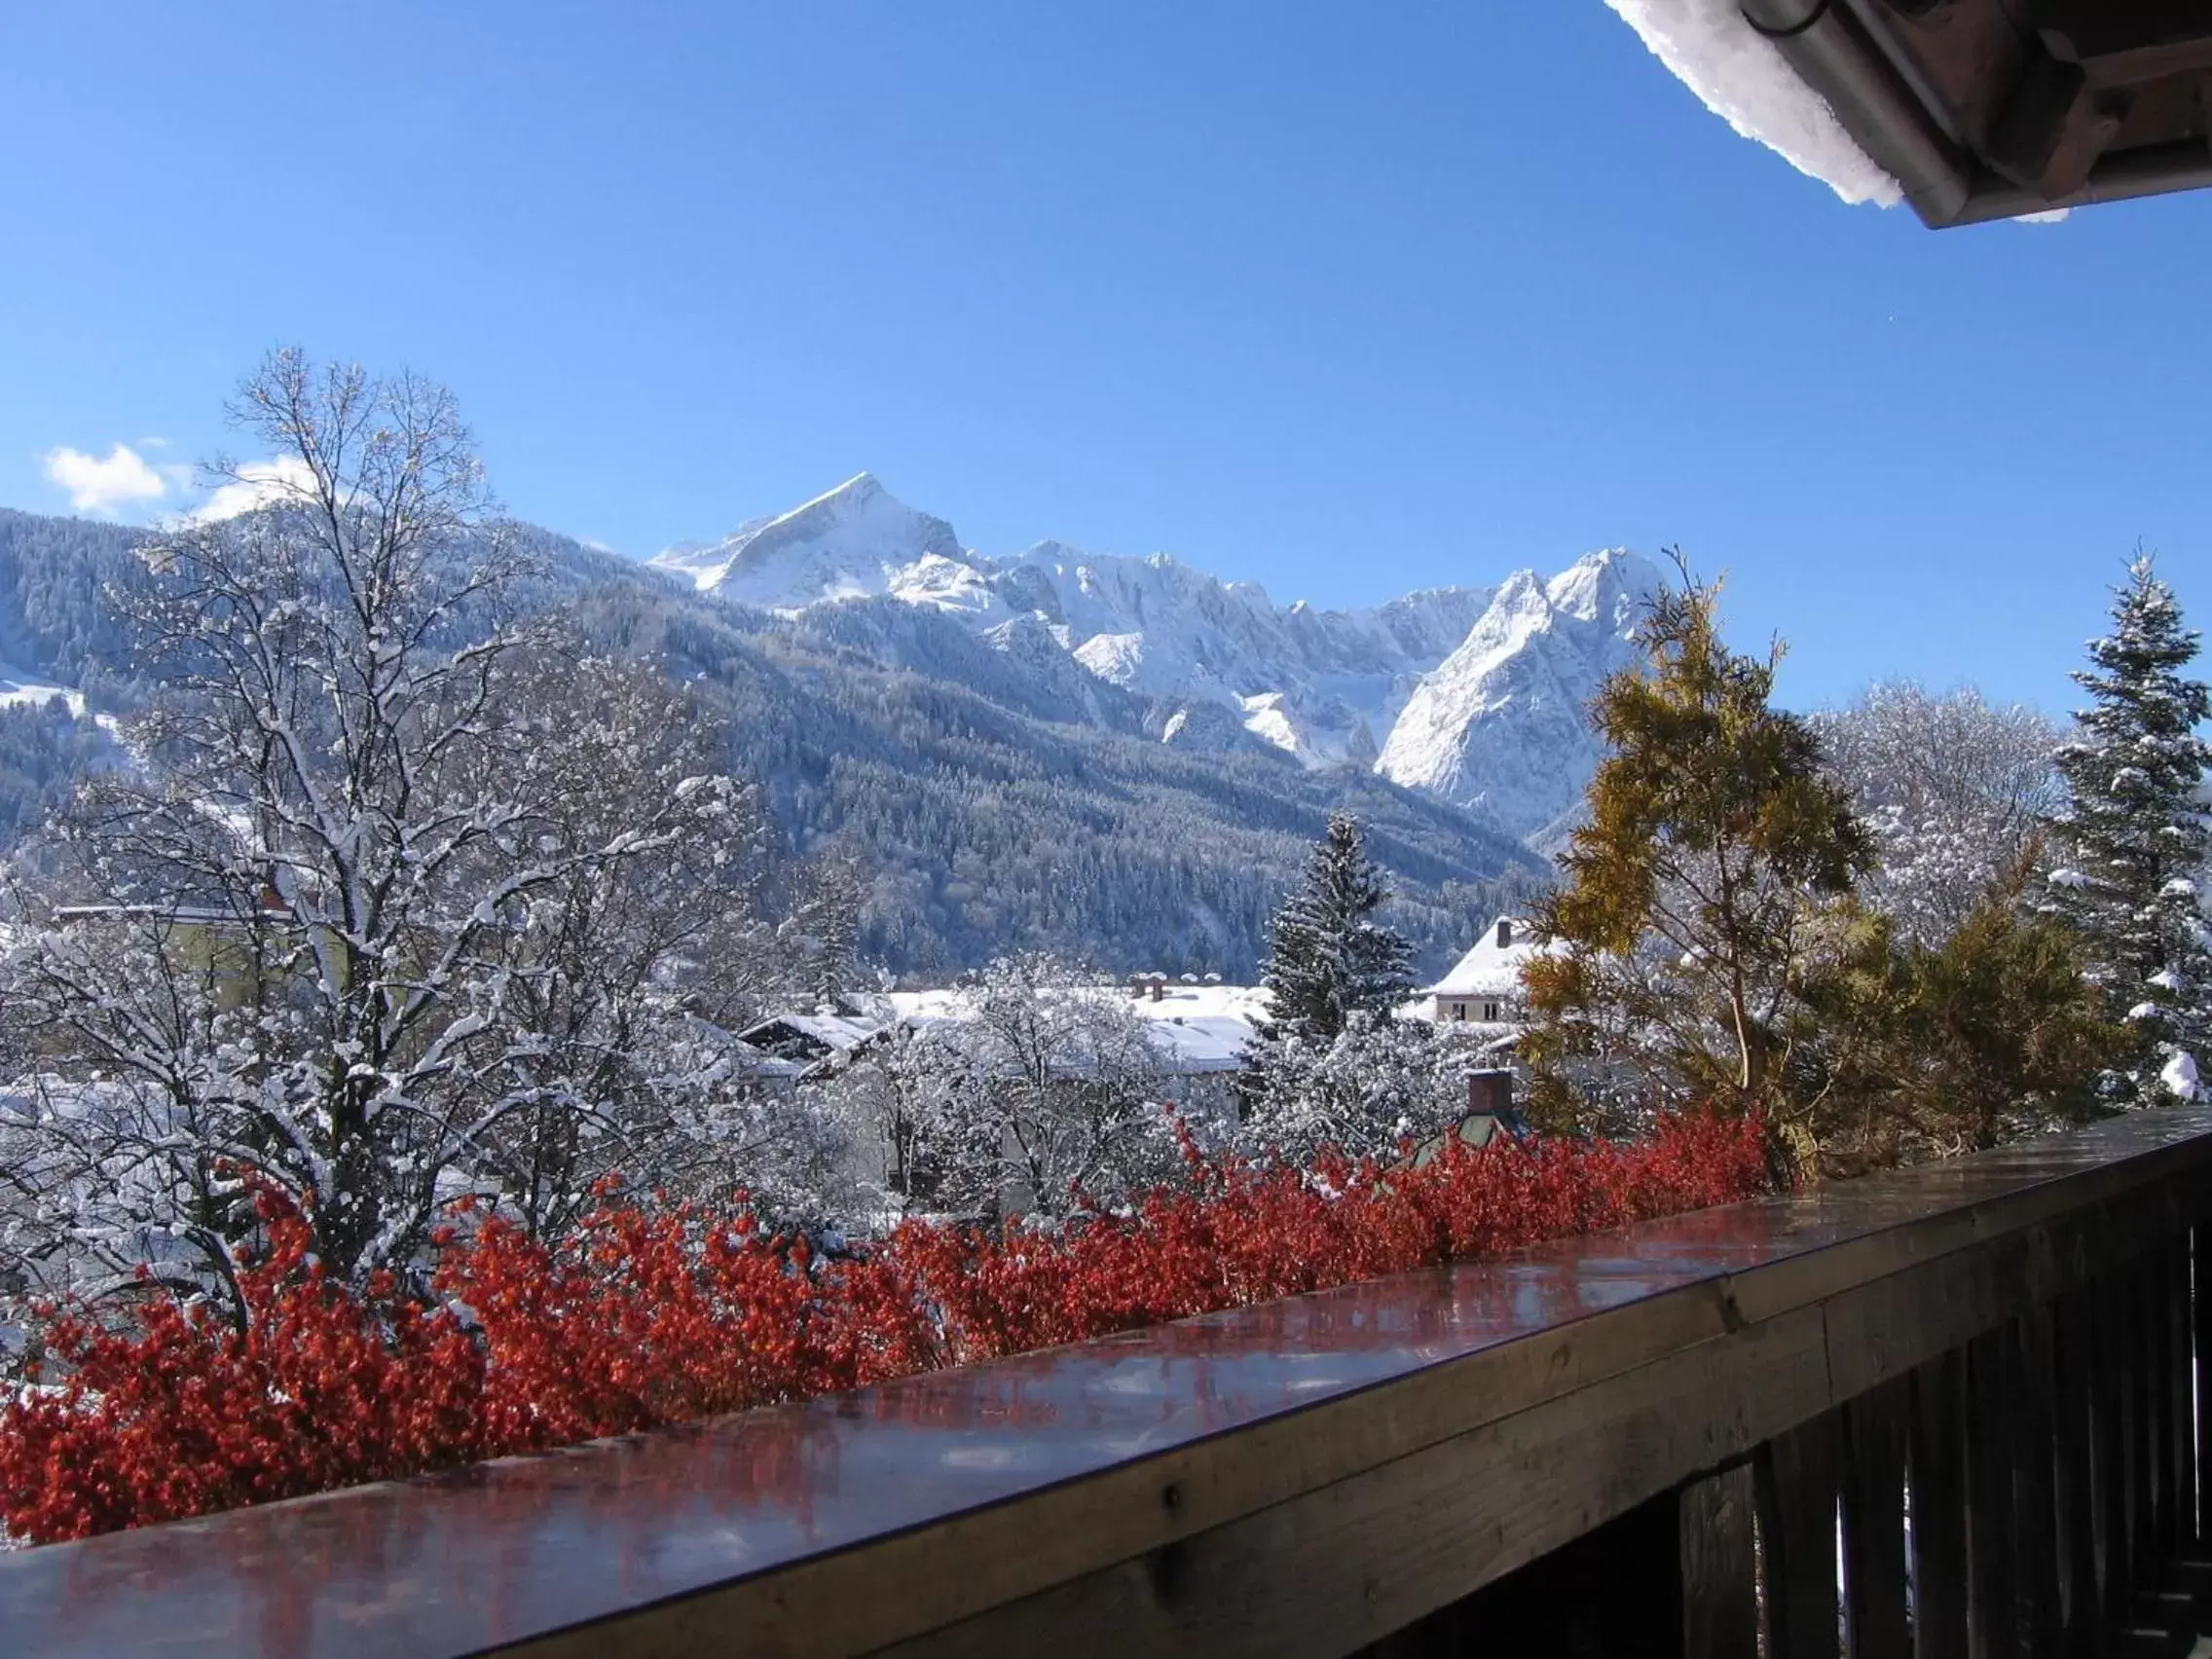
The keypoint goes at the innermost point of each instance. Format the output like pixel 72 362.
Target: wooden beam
pixel 1938 1454
pixel 2120 45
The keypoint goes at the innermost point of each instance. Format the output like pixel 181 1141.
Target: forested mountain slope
pixel 990 790
pixel 1474 693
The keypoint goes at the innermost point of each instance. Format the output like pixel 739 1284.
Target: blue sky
pixel 1345 300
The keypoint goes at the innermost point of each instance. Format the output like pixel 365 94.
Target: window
pixel 1489 1011
pixel 1458 1011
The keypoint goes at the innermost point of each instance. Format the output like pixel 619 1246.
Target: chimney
pixel 1504 933
pixel 1489 1092
pixel 1160 987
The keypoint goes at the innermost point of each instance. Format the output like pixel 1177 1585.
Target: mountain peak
pixel 1611 585
pixel 854 542
pixel 855 495
pixel 1478 695
pixel 1500 724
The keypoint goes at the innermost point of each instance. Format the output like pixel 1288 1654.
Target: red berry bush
pixel 654 1315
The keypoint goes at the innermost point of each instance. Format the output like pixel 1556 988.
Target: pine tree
pixel 1922 1048
pixel 2132 842
pixel 1328 960
pixel 828 923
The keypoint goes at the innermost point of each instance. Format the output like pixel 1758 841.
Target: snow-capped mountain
pixel 1472 693
pixel 855 542
pixel 1500 724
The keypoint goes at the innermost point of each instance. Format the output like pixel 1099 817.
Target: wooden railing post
pixel 2141 1405
pixel 2200 1326
pixel 2033 1372
pixel 1876 1426
pixel 2072 1339
pixel 1992 1583
pixel 2159 1399
pixel 1720 1559
pixel 2111 1427
pixel 2180 1410
pixel 1798 1483
pixel 1938 1466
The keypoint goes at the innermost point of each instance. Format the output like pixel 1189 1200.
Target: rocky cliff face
pixel 1474 694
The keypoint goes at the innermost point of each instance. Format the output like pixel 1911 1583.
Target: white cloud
pixel 98 486
pixel 257 484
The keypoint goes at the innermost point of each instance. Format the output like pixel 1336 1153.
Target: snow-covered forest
pixel 995 805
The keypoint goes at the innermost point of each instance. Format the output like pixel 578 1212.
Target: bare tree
pixel 1361 1093
pixel 1952 786
pixel 394 908
pixel 1036 1090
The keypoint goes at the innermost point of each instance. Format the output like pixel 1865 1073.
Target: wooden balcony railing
pixel 1651 1441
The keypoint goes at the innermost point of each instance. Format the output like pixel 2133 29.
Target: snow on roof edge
pixel 1743 78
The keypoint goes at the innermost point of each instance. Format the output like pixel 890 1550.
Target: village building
pixel 1200 1032
pixel 794 1046
pixel 1484 987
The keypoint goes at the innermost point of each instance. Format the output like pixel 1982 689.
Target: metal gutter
pixel 1834 55
pixel 2153 170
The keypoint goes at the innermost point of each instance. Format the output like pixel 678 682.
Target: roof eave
pixel 1832 46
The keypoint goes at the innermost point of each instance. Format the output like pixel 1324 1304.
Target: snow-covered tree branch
pixel 404 902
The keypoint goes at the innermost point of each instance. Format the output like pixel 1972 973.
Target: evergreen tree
pixel 1328 959
pixel 2132 841
pixel 1691 900
pixel 1920 1048
pixel 826 925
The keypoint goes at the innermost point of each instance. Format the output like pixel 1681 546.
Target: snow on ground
pixel 1266 718
pixel 1115 657
pixel 1743 78
pixel 2181 1077
pixel 18 688
pixel 1198 1028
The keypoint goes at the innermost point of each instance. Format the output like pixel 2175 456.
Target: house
pixel 1198 1031
pixel 1489 1113
pixel 1197 1027
pixel 220 936
pixel 801 1045
pixel 1484 987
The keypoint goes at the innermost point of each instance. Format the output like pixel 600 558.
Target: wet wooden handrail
pixel 1411 1459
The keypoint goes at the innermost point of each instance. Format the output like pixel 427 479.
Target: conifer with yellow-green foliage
pixel 1708 946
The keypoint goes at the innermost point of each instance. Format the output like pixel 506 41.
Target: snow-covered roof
pixel 1743 78
pixel 1976 113
pixel 1490 968
pixel 1197 1029
pixel 1194 1029
pixel 760 1065
pixel 842 1033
